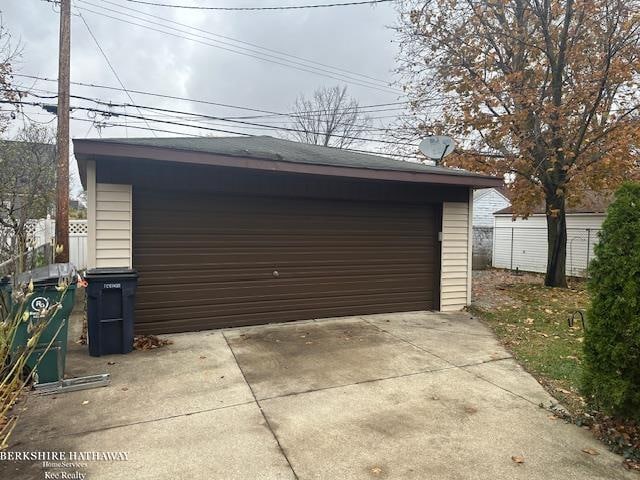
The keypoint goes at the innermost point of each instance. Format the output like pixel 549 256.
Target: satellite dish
pixel 437 147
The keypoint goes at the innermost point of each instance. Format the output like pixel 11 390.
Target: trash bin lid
pixel 111 272
pixel 49 274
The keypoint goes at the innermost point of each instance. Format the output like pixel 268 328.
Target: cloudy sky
pixel 205 65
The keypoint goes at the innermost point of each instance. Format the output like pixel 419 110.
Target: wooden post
pixel 62 177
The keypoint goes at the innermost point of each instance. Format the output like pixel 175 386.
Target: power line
pixel 242 124
pixel 51 108
pixel 141 92
pixel 189 115
pixel 136 127
pixel 259 56
pixel 110 114
pixel 205 102
pixel 253 9
pixel 109 63
pixel 231 39
pixel 369 152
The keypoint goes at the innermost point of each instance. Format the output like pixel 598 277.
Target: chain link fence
pixel 525 248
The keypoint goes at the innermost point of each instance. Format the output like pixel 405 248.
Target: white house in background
pixel 486 202
pixel 522 243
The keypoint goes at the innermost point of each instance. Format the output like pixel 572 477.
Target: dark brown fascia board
pixel 92 149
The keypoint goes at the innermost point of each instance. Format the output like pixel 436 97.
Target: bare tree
pixel 27 185
pixel 329 118
pixel 8 55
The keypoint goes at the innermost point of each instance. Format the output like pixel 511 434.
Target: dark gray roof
pixel 269 148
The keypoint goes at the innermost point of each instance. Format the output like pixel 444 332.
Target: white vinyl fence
pixel 42 231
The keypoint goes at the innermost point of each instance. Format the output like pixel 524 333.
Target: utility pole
pixel 62 171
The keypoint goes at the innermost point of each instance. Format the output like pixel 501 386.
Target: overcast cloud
pixel 354 38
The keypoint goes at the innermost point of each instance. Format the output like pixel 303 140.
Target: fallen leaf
pixel 149 342
pixel 517 459
pixel 591 451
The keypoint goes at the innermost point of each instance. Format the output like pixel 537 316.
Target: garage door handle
pixel 276 274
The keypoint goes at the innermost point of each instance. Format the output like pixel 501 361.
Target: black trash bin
pixel 110 310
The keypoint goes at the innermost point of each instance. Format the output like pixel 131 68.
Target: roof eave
pixel 91 149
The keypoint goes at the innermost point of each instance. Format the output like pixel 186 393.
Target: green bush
pixel 611 380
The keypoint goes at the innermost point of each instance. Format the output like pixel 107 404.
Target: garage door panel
pixel 265 310
pixel 273 206
pixel 287 283
pixel 270 306
pixel 206 242
pixel 152 299
pixel 195 323
pixel 274 260
pixel 204 278
pixel 207 261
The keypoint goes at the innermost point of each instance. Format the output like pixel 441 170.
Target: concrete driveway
pixel 407 395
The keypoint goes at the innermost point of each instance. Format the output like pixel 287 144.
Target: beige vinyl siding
pixel 113 207
pixel 454 280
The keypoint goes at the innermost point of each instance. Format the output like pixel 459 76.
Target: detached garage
pixel 242 231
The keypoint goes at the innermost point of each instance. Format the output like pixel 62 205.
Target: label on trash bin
pixel 112 285
pixel 38 304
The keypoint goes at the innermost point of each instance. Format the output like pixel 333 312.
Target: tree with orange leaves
pixel 545 92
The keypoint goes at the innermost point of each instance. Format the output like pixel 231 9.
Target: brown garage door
pixel 210 261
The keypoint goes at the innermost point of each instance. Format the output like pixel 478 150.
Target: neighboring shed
pixel 486 202
pixel 522 243
pixel 240 231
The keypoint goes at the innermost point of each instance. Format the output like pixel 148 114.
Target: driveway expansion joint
pixel 460 367
pixel 143 422
pixel 361 382
pixel 264 415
